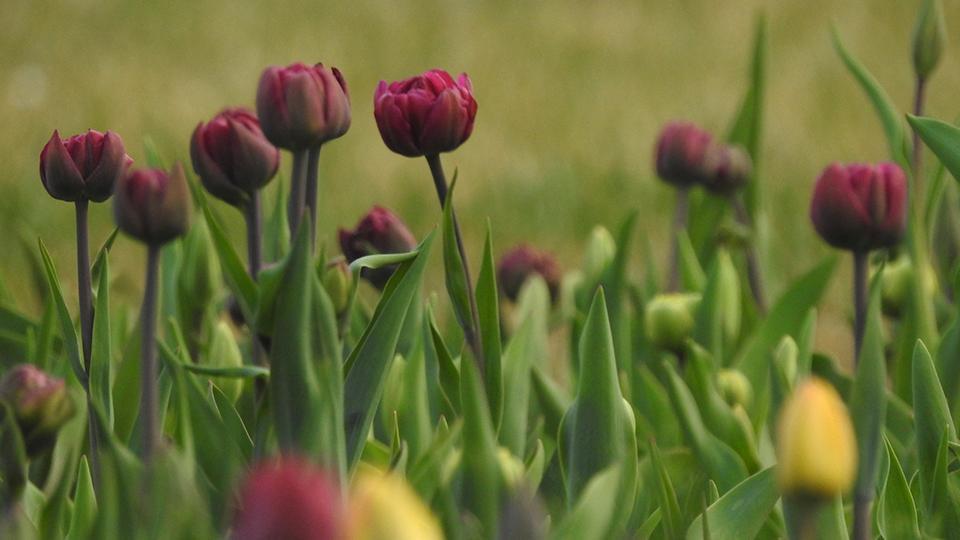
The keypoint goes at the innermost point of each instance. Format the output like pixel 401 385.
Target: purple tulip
pixel 379 231
pixel 40 404
pixel 153 205
pixel 681 154
pixel 232 157
pixel 522 262
pixel 302 106
pixel 860 207
pixel 425 115
pixel 83 167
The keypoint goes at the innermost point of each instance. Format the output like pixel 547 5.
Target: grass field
pixel 571 95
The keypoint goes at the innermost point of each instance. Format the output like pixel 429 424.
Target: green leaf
pixel 101 358
pixel 488 308
pixel 277 233
pixel 942 138
pixel 13 460
pixel 748 123
pixel 454 266
pixel 882 104
pixel 370 361
pixel 595 511
pixel 234 272
pixel 896 511
pixel 868 403
pixel 669 505
pixel 84 504
pixel 931 415
pixel 448 373
pixel 693 277
pixel 481 470
pixel 425 474
pixel 242 372
pixel 414 410
pixel 615 285
pixel 742 511
pixel 66 322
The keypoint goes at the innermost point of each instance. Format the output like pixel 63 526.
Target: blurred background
pixel 571 96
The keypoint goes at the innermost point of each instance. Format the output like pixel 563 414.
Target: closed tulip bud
pixel 735 387
pixel 153 205
pixel 896 285
pixel 425 115
pixel 384 507
pixel 522 262
pixel 302 106
pixel 379 231
pixel 199 280
pixel 860 207
pixel 290 499
pixel 224 352
pixel 232 157
pixel 728 296
pixel 816 446
pixel 669 319
pixel 929 36
pixel 599 254
pixel 40 403
pixel 682 154
pixel 83 167
pixel 727 169
pixel 511 468
pixel 337 281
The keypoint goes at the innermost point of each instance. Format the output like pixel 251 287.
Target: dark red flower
pixel 302 106
pixel 379 231
pixel 232 157
pixel 681 154
pixel 522 262
pixel 425 115
pixel 290 499
pixel 860 207
pixel 83 167
pixel 153 205
pixel 40 404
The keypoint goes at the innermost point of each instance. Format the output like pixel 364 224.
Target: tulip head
pixel 681 154
pixel 379 231
pixel 291 499
pixel 727 169
pixel 223 352
pixel 337 281
pixel 83 167
pixel 522 262
pixel 599 255
pixel 40 403
pixel 929 37
pixel 301 106
pixel 425 115
pixel 153 205
pixel 669 319
pixel 232 157
pixel 816 445
pixel 735 387
pixel 384 507
pixel 860 207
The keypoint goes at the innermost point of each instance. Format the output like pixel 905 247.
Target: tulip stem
pixel 148 357
pixel 801 517
pixel 918 100
pixel 861 518
pixel 253 218
pixel 471 327
pixel 859 301
pixel 680 215
pixel 85 295
pixel 313 166
pixel 754 275
pixel 296 203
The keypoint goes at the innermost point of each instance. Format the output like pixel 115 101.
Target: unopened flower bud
pixel 929 36
pixel 860 207
pixel 735 387
pixel 232 157
pixel 290 499
pixel 83 167
pixel 669 319
pixel 379 231
pixel 727 169
pixel 728 296
pixel 681 154
pixel 224 352
pixel 302 106
pixel 199 280
pixel 522 262
pixel 40 403
pixel 384 507
pixel 337 281
pixel 425 115
pixel 153 205
pixel 599 254
pixel 896 285
pixel 816 446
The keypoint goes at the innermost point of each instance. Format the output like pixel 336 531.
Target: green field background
pixel 571 96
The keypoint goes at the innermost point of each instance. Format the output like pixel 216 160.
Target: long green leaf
pixel 742 511
pixel 101 358
pixel 932 415
pixel 897 511
pixel 481 472
pixel 234 271
pixel 868 404
pixel 66 322
pixel 488 307
pixel 748 124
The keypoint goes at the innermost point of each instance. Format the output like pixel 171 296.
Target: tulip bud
pixel 727 169
pixel 337 281
pixel 860 207
pixel 290 499
pixel 224 352
pixel 735 387
pixel 199 280
pixel 681 154
pixel 380 231
pixel 896 285
pixel 40 403
pixel 669 319
pixel 728 296
pixel 816 447
pixel 302 107
pixel 425 115
pixel 83 167
pixel 511 469
pixel 384 507
pixel 929 36
pixel 522 262
pixel 153 205
pixel 600 252
pixel 232 157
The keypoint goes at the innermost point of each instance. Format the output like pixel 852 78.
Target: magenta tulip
pixel 520 264
pixel 83 167
pixel 681 154
pixel 301 106
pixel 153 205
pixel 379 231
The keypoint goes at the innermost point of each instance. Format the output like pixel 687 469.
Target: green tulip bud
pixel 929 36
pixel 735 387
pixel 199 281
pixel 896 285
pixel 729 296
pixel 338 281
pixel 785 360
pixel 40 403
pixel 600 252
pixel 511 468
pixel 669 319
pixel 225 353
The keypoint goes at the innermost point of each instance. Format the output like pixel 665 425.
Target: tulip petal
pixel 111 165
pixel 58 172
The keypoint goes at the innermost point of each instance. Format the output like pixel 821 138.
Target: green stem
pixel 296 203
pixel 680 216
pixel 313 166
pixel 859 302
pixel 754 275
pixel 861 519
pixel 85 295
pixel 149 410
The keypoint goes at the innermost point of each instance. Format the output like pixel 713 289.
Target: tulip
pixel 669 319
pixel 384 507
pixel 929 36
pixel 83 167
pixel 40 403
pixel 425 115
pixel 681 154
pixel 223 352
pixel 522 262
pixel 735 387
pixel 598 256
pixel 300 108
pixel 337 281
pixel 290 499
pixel 860 208
pixel 727 169
pixel 379 231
